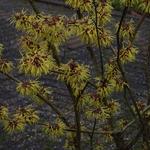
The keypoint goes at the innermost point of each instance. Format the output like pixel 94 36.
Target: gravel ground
pixel 33 139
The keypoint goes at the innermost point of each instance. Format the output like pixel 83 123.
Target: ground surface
pixel 33 140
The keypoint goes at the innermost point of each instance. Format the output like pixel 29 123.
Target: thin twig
pixel 92 134
pixel 97 33
pixel 133 121
pixel 119 46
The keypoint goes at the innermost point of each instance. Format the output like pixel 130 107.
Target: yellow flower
pixel 112 70
pixel 101 113
pixel 83 5
pixel 20 20
pixel 74 74
pixel 36 63
pixel 104 10
pixel 88 34
pixel 3 112
pixel 107 134
pixel 122 123
pixel 127 2
pixel 113 106
pixel 144 5
pixel 55 129
pixel 127 29
pixel 29 44
pixel 118 84
pixel 28 114
pixel 1 49
pixel 105 87
pixel 70 141
pixel 15 124
pixel 5 66
pixel 28 88
pixel 128 54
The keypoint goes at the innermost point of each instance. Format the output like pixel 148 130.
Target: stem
pixel 94 60
pixel 119 46
pixel 11 77
pixel 130 123
pixel 128 104
pixel 77 120
pixel 79 14
pixel 78 126
pixel 54 109
pixel 76 108
pixel 89 48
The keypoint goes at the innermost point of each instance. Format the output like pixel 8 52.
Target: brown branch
pixel 119 46
pixel 97 33
pixel 54 108
pixel 92 134
pixel 133 121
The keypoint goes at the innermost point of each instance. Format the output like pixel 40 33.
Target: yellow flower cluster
pixel 28 114
pixel 105 87
pixel 15 124
pixel 32 88
pixel 127 29
pixel 143 5
pixel 128 2
pixel 54 130
pixel 87 32
pixel 36 63
pixel 70 141
pixel 5 65
pixel 44 35
pixel 83 5
pixel 42 27
pixel 30 45
pixel 128 54
pixel 91 99
pixel 3 112
pixel 104 10
pixel 19 120
pixel 28 88
pixel 75 75
pixel 100 113
pixel 95 107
